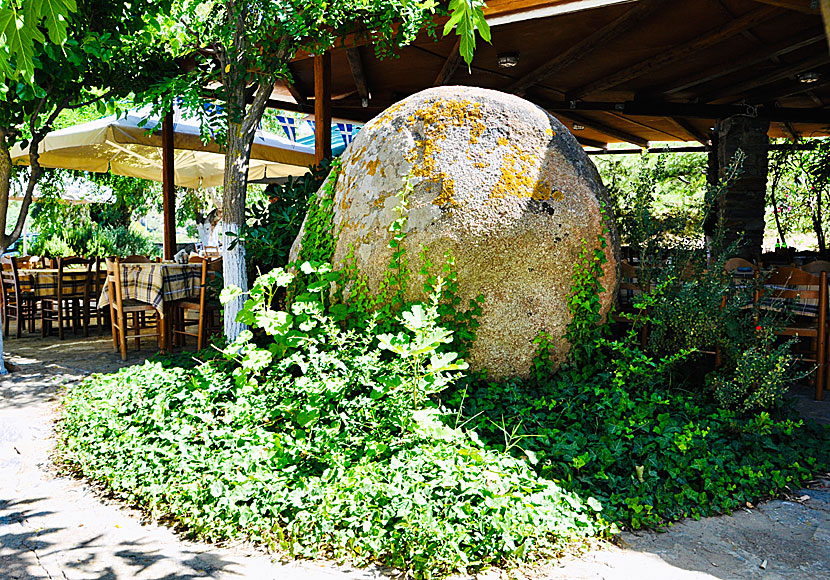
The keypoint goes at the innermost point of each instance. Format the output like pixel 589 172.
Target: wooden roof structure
pixel 633 71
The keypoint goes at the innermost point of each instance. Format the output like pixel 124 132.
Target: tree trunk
pixel 241 134
pixel 235 191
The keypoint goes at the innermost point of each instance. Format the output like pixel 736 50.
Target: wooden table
pixel 44 281
pixel 157 284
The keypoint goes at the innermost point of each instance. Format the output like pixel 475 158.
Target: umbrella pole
pixel 168 186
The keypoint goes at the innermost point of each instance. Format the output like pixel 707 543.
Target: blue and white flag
pixel 290 125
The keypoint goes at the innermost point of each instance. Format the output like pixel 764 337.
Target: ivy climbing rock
pixel 498 184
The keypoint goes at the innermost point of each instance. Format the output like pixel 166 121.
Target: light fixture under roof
pixel 507 59
pixel 578 127
pixel 807 77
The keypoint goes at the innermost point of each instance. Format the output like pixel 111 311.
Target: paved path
pixel 55 527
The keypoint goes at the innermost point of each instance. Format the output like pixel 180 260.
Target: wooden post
pixel 322 107
pixel 825 15
pixel 168 186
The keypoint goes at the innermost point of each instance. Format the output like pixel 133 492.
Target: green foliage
pixel 584 329
pixel 650 451
pixel 320 443
pixel 273 224
pixel 92 240
pixel 21 25
pixel 623 427
pixel 655 198
pixel 90 58
pixel 133 198
pixel 799 191
pixel 467 17
pixel 759 377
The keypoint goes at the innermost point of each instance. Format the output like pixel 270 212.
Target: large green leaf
pixel 19 32
pixel 54 14
pixel 467 16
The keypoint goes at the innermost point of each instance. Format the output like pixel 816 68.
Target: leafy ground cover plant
pixel 324 441
pixel 633 429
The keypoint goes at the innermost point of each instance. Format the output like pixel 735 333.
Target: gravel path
pixel 56 527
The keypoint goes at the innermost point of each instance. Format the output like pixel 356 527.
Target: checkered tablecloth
pixel 796 306
pixel 156 284
pixel 44 282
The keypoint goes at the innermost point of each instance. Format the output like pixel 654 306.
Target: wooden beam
pixel 824 5
pixel 591 142
pixel 644 126
pixel 742 63
pixel 295 94
pixel 359 74
pixel 322 107
pixel 803 6
pixel 675 55
pixel 789 91
pixel 168 192
pixel 791 130
pixel 606 130
pixel 578 51
pixel 450 66
pixel 697 135
pixel 689 110
pixel 739 90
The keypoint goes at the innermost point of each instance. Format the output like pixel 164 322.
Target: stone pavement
pixel 55 527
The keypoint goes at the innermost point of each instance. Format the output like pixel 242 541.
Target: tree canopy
pixel 244 47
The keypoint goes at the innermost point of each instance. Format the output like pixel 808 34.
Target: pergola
pixel 629 71
pixel 728 74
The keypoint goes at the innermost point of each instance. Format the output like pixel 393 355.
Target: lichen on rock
pixel 500 185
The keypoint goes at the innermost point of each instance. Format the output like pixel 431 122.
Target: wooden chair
pixel 803 296
pixel 208 313
pixel 629 290
pixel 733 265
pixel 122 310
pixel 213 252
pixel 96 287
pixel 817 267
pixel 70 302
pixel 136 259
pixel 17 303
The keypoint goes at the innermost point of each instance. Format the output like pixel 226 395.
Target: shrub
pixel 93 240
pixel 623 425
pixel 760 377
pixel 272 225
pixel 320 443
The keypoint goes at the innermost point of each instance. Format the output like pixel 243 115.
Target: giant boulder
pixel 499 184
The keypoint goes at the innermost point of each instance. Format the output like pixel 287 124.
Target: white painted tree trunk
pixel 235 274
pixel 3 370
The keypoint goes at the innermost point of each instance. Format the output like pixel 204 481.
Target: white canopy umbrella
pixel 73 192
pixel 122 146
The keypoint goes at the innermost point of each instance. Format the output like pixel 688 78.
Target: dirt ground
pixel 59 528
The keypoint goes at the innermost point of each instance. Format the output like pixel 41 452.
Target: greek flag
pixel 347 132
pixel 290 125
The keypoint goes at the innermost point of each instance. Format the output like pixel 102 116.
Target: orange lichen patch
pixel 550 132
pixel 446 196
pixel 501 141
pixel 380 200
pixel 517 179
pixel 372 166
pixel 481 165
pixel 436 118
pixel 389 114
